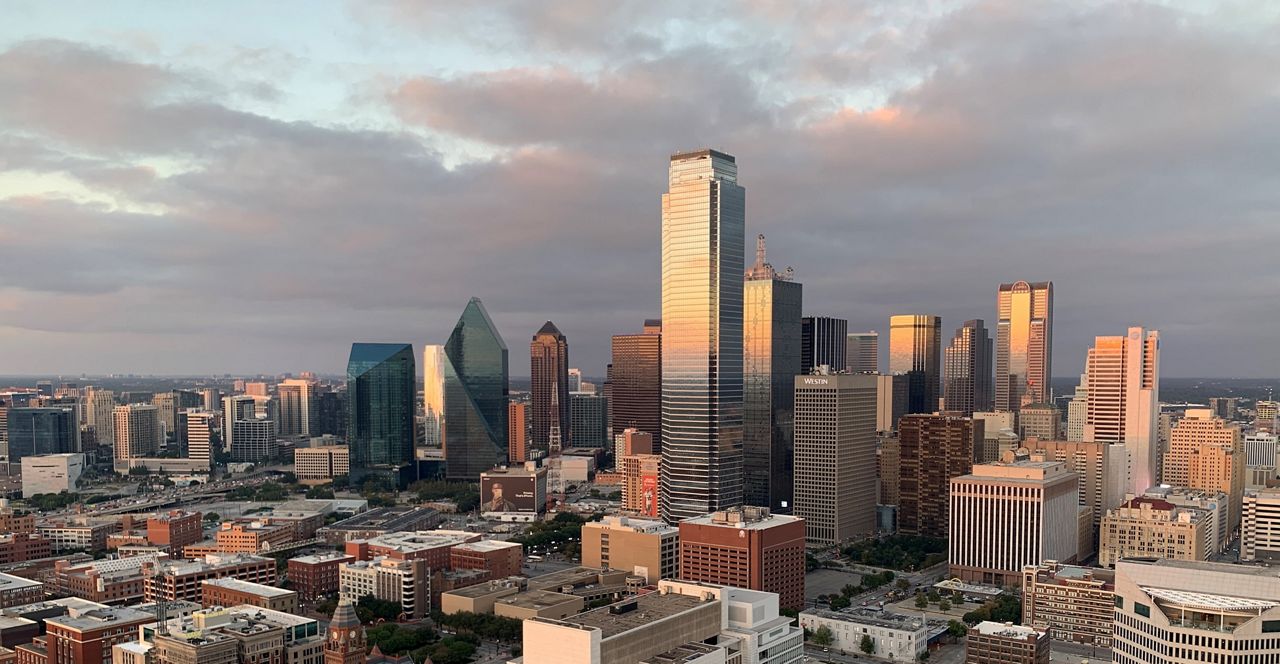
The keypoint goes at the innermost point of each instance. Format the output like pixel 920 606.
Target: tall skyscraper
pixel 517 432
pixel 703 224
pixel 835 456
pixel 40 431
pixel 549 373
pixel 381 393
pixel 770 360
pixel 210 399
pixel 588 420
pixel 1024 344
pixel 862 352
pixel 934 450
pixel 822 342
pixel 915 349
pixel 635 381
pixel 968 381
pixel 297 407
pixel 433 360
pixel 476 389
pixel 1123 378
pixel 200 426
pixel 137 431
pixel 234 409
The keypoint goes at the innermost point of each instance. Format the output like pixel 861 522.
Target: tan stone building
pixel 646 548
pixel 1154 528
pixel 640 484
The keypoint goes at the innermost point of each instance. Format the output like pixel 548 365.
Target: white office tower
pixel 1123 377
pixel 200 426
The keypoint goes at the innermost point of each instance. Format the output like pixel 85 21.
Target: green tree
pixel 944 605
pixel 921 602
pixel 903 584
pixel 849 590
pixel 934 597
pixel 868 646
pixel 212 516
pixel 839 602
pixel 823 636
pixel 957 629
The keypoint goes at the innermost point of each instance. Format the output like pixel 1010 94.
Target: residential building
pixel 233 592
pixel 1102 470
pixel 746 547
pixel 321 464
pixel 894 637
pixel 137 431
pixel 1154 528
pixel 862 352
pixel 108 581
pixel 19 547
pixel 500 559
pixel 16 591
pixel 1024 344
pixel 1001 643
pixel 430 546
pixel 934 449
pixel 1180 611
pixel 968 385
pixel 476 390
pixel 915 350
pixel 771 356
pixel 51 473
pixel 1040 420
pixel 889 467
pixel 180 580
pixel 1260 527
pixel 640 477
pixel 404 582
pixel 1073 604
pixel 316 576
pixel 822 343
pixel 1010 514
pixel 1123 378
pixel 835 450
pixel 254 440
pixel 703 224
pixel 42 431
pixel 891 400
pixel 99 408
pixel 635 380
pixel 645 548
pixel 549 386
pixel 589 419
pixel 252 536
pixel 681 620
pixel 297 407
pixel 83 637
pixel 235 408
pixel 381 397
pixel 517 432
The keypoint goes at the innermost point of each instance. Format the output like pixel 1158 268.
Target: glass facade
pixel 36 431
pixel 771 359
pixel 968 381
pixel 1024 344
pixel 823 342
pixel 380 408
pixel 915 351
pixel 549 375
pixel 703 223
pixel 589 416
pixel 476 387
pixel 635 382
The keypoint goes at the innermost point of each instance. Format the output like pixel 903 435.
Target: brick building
pixel 181 580
pixel 316 576
pixel 174 530
pixel 500 559
pixel 234 592
pixel 746 547
pixel 83 637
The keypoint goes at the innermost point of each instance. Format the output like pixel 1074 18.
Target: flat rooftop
pixel 537 599
pixel 99 618
pixel 682 653
pixel 649 608
pixel 409 542
pixel 747 519
pixel 483 589
pixel 488 545
pixel 989 628
pixel 1206 566
pixel 384 518
pixel 248 587
pixel 269 615
pixel 11 583
pixel 323 557
pixel 876 618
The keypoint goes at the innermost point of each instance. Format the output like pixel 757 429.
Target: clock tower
pixel 344 643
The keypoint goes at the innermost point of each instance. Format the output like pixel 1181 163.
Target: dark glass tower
pixel 968 375
pixel 549 374
pixel 915 349
pixel 36 431
pixel 823 341
pixel 635 382
pixel 476 386
pixel 381 389
pixel 771 342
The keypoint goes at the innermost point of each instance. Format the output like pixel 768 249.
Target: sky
pixel 250 187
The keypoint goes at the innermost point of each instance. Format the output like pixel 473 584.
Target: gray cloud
pixel 1125 152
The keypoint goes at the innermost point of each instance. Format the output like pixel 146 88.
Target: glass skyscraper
pixel 703 224
pixel 771 359
pixel 476 387
pixel 635 382
pixel 968 359
pixel 37 431
pixel 915 350
pixel 1024 344
pixel 823 341
pixel 381 388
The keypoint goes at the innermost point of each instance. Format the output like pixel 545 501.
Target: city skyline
pixel 389 174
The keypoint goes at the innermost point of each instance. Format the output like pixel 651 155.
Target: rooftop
pixel 417 541
pixel 537 599
pixel 648 608
pixel 9 583
pixel 1206 566
pixel 487 545
pixel 181 567
pixel 1008 630
pixel 327 556
pixel 389 519
pixel 248 587
pixel 746 518
pixel 100 618
pixel 483 589
pixel 683 653
pixel 876 618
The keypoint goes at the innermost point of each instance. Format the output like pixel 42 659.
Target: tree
pixel 921 602
pixel 957 629
pixel 849 590
pixel 868 646
pixel 934 597
pixel 903 584
pixel 839 602
pixel 822 636
pixel 944 605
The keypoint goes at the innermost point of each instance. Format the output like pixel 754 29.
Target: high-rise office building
pixel 476 391
pixel 770 361
pixel 891 400
pixel 934 449
pixel 166 404
pixel 746 547
pixel 835 456
pixel 1260 525
pixel 549 385
pixel 1123 378
pixel 703 223
pixel 200 427
pixel 1224 407
pixel 588 417
pixel 635 381
pixel 1197 427
pixel 381 395
pixel 433 359
pixel 1267 415
pixel 1154 528
pixel 137 431
pixel 1078 410
pixel 862 352
pixel 1216 467
pixel 235 408
pixel 1041 420
pixel 1024 344
pixel 1101 468
pixel 210 399
pixel 517 432
pixel 822 342
pixel 915 350
pixel 255 440
pixel 968 373
pixel 297 407
pixel 40 431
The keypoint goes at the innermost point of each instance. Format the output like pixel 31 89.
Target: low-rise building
pixel 51 473
pixel 1154 528
pixel 114 581
pixel 1216 503
pixel 1002 643
pixel 234 592
pixel 19 547
pixel 500 559
pixel 174 530
pixel 83 637
pixel 17 591
pixel 252 536
pixel 650 549
pixel 316 575
pixel 317 465
pixel 181 580
pixel 379 521
pixel 894 637
pixel 1071 603
pixel 75 534
pixel 430 546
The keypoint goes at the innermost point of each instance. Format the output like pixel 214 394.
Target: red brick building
pixel 934 449
pixel 316 576
pixel 86 638
pixel 17 547
pixel 746 547
pixel 181 580
pixel 432 547
pixel 500 559
pixel 174 530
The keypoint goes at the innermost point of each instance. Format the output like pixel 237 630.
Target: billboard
pixel 509 493
pixel 649 495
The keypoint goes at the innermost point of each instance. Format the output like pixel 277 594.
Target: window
pixel 1119 602
pixel 1142 609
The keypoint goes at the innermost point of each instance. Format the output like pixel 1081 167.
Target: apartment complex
pixel 645 548
pixel 934 449
pixel 316 575
pixel 181 580
pixel 405 582
pixel 234 592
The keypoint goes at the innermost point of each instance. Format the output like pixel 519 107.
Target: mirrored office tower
pixel 771 351
pixel 703 222
pixel 476 385
pixel 823 341
pixel 1024 344
pixel 381 387
pixel 968 359
pixel 915 351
